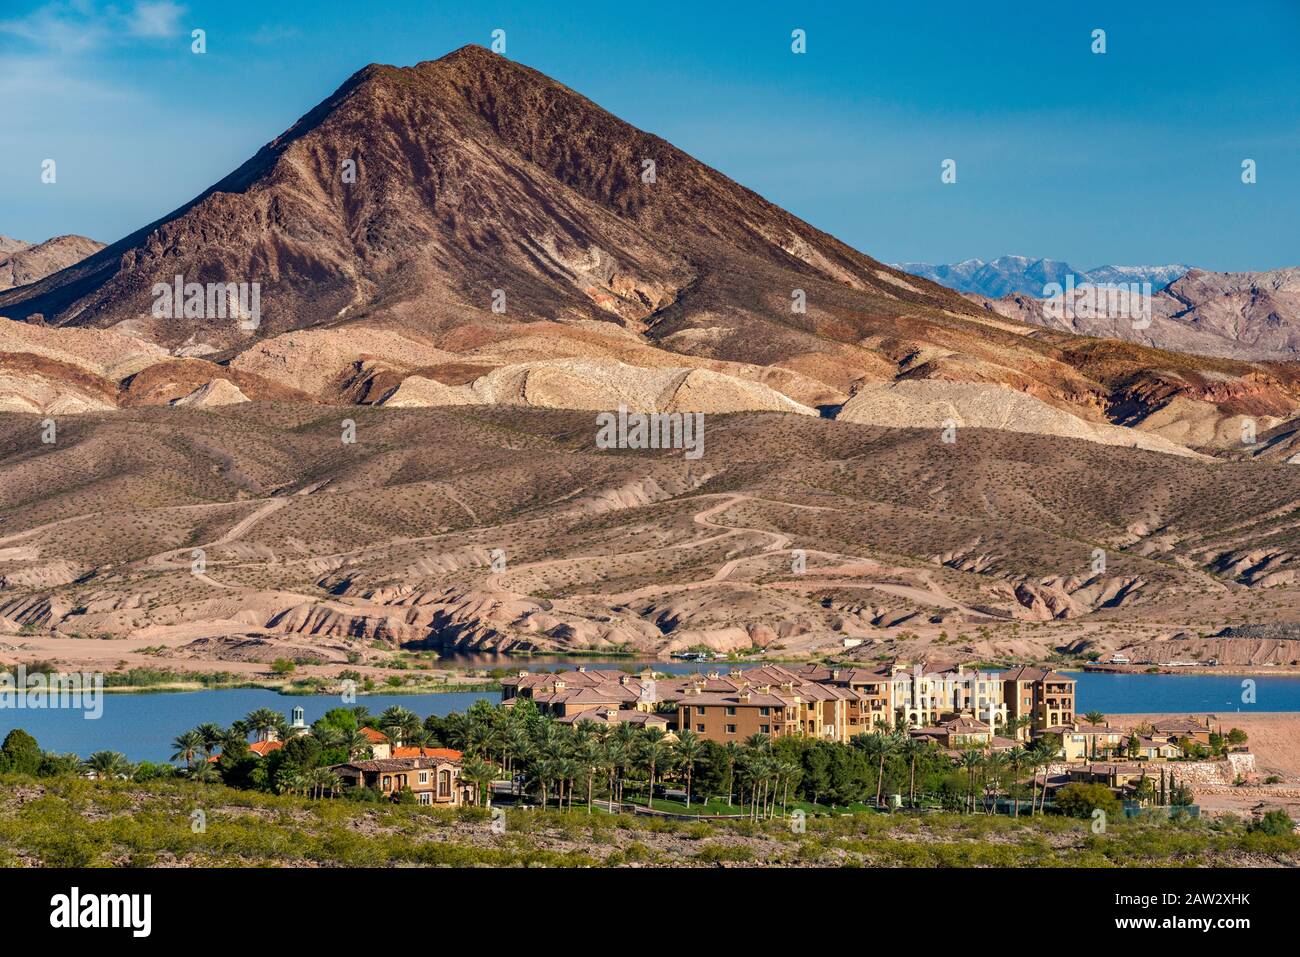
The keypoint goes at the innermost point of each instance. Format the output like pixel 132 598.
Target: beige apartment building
pixel 1041 695
pixel 816 701
pixel 734 716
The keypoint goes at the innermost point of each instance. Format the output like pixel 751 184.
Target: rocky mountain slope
pixel 469 231
pixel 1241 315
pixel 486 528
pixel 21 263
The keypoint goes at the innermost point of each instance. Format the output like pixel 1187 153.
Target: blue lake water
pixel 142 726
pixel 1159 694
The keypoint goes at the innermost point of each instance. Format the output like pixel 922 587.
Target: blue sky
pixel 1132 156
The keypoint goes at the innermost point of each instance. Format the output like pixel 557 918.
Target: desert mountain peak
pixel 480 229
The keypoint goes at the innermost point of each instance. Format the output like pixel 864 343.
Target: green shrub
pixel 1275 823
pixel 714 852
pixel 1081 800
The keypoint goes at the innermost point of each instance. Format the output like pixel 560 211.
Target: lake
pixel 1158 694
pixel 142 726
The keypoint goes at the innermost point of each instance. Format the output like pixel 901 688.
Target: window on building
pixel 444 784
pixel 424 777
pixel 731 712
pixel 765 711
pixel 699 710
pixel 699 728
pixel 731 729
pixel 426 797
pixel 765 728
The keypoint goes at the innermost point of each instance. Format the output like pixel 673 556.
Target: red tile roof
pixel 449 753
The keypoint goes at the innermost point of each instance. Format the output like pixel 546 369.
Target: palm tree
pixel 613 758
pixel 292 783
pixel 187 746
pixel 420 737
pixel 628 736
pixel 970 760
pixel 689 747
pixel 588 753
pixel 787 771
pixel 261 721
pixel 320 780
pixel 355 744
pixel 877 745
pixel 1039 759
pixel 107 765
pixel 399 724
pixel 1048 747
pixel 328 735
pixel 234 742
pixel 1094 719
pixel 761 768
pixel 1017 758
pixel 204 772
pixel 568 770
pixel 733 753
pixel 655 753
pixel 749 771
pixel 213 734
pixel 913 749
pixel 478 737
pixel 481 774
pixel 514 744
pixel 995 767
pixel 543 771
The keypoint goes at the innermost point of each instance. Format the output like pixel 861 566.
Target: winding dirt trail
pixel 926 592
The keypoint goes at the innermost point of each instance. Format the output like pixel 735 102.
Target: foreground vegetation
pixel 792 801
pixel 75 821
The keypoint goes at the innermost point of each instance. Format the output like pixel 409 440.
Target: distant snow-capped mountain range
pixel 1012 275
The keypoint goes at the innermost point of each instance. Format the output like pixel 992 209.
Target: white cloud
pixel 63 27
pixel 78 26
pixel 160 19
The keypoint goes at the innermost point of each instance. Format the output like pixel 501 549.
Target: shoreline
pixel 1226 671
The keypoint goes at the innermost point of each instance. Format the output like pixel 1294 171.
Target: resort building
pixel 380 746
pixel 1175 729
pixel 1080 743
pixel 434 779
pixel 1153 748
pixel 735 715
pixel 833 704
pixel 573 692
pixel 924 695
pixel 963 732
pixel 1042 696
